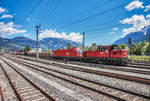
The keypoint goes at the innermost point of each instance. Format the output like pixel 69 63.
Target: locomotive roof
pixel 106 45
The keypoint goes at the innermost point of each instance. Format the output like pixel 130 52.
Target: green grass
pixel 139 58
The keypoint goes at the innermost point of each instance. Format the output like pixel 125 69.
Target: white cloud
pixel 147 8
pixel 27 35
pixel 17 26
pixel 28 19
pixel 7 29
pixel 2 10
pixel 148 16
pixel 115 29
pixel 111 33
pixel 134 5
pixel 52 33
pixel 6 16
pixel 138 22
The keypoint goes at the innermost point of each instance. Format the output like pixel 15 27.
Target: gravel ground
pixel 22 85
pixel 8 92
pixel 122 84
pixel 129 86
pixel 88 93
pixel 61 96
pixel 104 70
pixel 93 95
pixel 90 64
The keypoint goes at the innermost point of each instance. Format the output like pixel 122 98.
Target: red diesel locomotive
pixel 74 53
pixel 104 54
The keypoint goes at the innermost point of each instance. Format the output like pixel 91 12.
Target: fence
pixel 139 58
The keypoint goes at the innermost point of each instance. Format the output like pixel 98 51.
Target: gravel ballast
pixel 122 84
pixel 62 90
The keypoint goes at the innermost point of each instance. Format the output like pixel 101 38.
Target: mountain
pixel 46 43
pixel 4 41
pixel 55 43
pixel 136 36
pixel 21 42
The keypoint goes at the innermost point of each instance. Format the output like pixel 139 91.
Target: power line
pixel 57 5
pixel 100 24
pixel 49 8
pixel 95 15
pixel 103 28
pixel 53 10
pixel 84 12
pixel 45 9
pixel 32 10
pixel 41 10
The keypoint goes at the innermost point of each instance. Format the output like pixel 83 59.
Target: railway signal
pixel 130 45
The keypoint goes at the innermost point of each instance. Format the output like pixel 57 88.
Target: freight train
pixel 103 54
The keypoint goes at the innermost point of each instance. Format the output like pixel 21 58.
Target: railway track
pixel 1 95
pixel 103 66
pixel 132 69
pixel 25 89
pixel 120 76
pixel 34 66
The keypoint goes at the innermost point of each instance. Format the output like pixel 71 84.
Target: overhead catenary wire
pixel 44 10
pixel 49 8
pixel 103 28
pixel 53 10
pixel 82 13
pixel 92 16
pixel 31 11
pixel 41 8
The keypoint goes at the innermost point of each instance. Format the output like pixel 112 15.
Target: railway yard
pixel 25 78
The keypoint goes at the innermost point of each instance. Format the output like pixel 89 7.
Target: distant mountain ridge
pixel 136 36
pixel 46 43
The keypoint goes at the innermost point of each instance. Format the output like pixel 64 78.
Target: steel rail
pixel 1 94
pixel 19 96
pixel 104 67
pixel 29 65
pixel 92 89
pixel 37 87
pixel 120 76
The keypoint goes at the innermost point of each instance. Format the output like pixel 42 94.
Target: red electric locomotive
pixel 104 54
pixel 74 53
pixel 108 55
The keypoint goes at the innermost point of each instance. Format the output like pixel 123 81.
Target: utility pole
pixel 149 48
pixel 83 41
pixel 37 41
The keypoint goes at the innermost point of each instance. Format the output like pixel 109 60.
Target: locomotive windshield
pixel 113 47
pixel 79 51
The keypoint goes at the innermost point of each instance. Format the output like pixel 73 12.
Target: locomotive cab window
pixel 102 49
pixel 106 49
pixel 79 51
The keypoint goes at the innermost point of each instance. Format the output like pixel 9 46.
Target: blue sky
pixel 103 21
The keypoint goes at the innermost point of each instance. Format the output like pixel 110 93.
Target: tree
pixel 86 48
pixel 122 46
pixel 134 47
pixel 69 45
pixel 139 48
pixel 27 48
pixel 146 48
pixel 93 47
